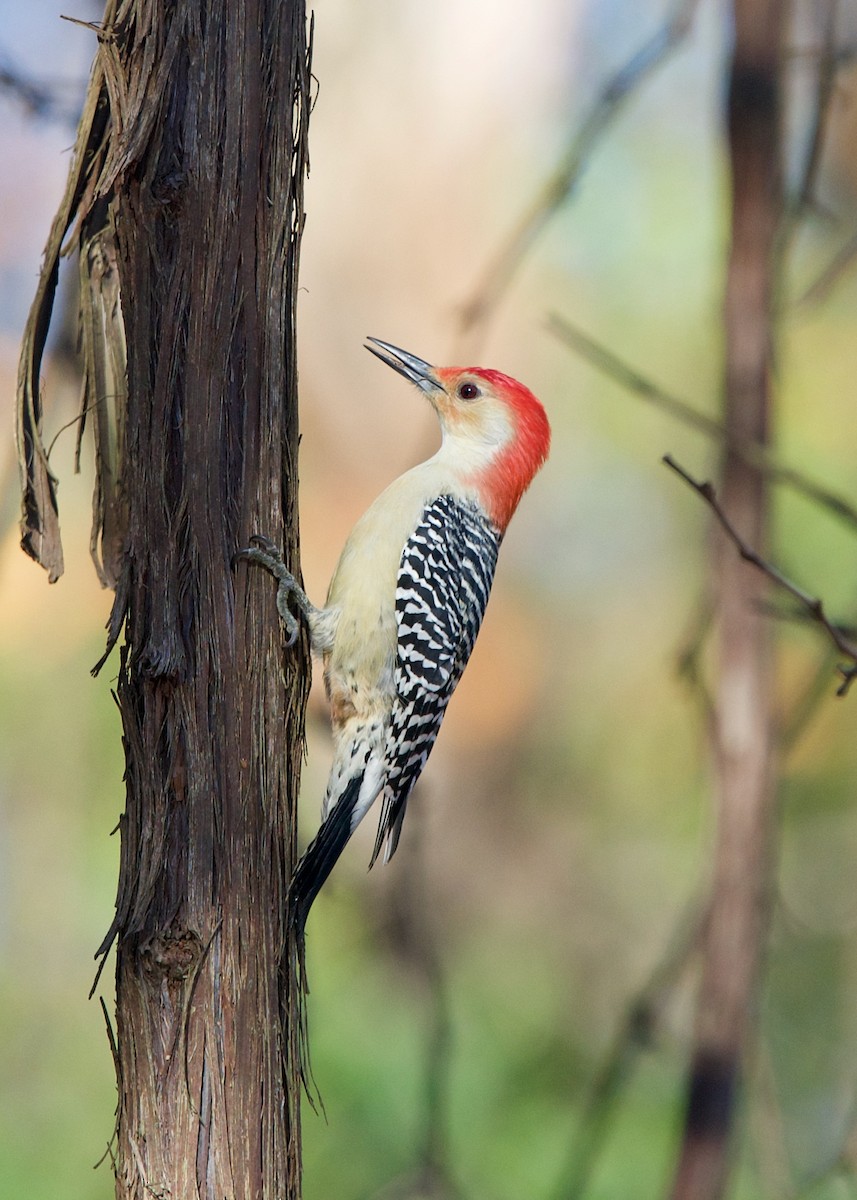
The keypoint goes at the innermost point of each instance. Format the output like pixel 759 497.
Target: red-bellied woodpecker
pixel 407 599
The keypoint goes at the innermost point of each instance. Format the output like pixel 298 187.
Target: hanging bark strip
pixel 742 722
pixel 192 170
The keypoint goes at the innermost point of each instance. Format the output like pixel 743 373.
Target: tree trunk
pixel 204 179
pixel 742 721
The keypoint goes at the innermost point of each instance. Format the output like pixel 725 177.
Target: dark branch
pixel 812 604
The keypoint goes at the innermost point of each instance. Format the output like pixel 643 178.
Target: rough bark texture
pixel 743 725
pixel 203 174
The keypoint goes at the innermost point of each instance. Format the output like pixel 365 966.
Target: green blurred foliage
pixel 60 794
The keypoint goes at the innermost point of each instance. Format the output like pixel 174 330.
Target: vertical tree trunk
pixel 204 173
pixel 743 725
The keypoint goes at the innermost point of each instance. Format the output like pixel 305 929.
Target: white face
pixel 476 419
pixel 471 414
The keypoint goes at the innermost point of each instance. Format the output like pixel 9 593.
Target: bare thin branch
pixel 753 453
pixel 841 262
pixel 561 183
pixel 600 356
pixel 811 604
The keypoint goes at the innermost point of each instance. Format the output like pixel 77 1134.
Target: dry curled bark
pixel 743 735
pixel 192 169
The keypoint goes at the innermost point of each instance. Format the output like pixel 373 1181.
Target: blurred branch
pixel 767 1129
pixel 828 62
pixel 815 690
pixel 812 605
pixel 793 724
pixel 689 658
pixel 832 273
pixel 600 356
pixel 794 614
pixel 743 740
pixel 636 1034
pixel 560 185
pixel 754 454
pixel 36 98
pixel 814 693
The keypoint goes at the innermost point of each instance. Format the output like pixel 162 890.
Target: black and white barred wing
pixel 445 577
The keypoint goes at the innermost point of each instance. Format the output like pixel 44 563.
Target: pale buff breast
pixel 359 667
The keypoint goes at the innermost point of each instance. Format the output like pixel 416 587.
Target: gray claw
pixel 267 554
pixel 270 548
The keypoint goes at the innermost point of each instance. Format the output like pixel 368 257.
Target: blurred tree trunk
pixel 203 182
pixel 742 726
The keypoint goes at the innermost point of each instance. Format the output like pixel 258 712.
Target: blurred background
pixel 470 1002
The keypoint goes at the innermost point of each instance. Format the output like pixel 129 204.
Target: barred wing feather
pixel 444 580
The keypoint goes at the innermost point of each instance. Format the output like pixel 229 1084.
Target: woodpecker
pixel 406 601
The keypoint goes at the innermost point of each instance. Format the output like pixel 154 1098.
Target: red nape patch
pixel 511 473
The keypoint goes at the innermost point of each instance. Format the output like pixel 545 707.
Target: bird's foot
pixel 267 554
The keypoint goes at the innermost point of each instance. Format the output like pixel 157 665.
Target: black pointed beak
pixel 415 369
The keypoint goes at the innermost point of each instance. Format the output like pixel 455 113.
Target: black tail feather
pixel 389 827
pixel 320 858
pixel 310 875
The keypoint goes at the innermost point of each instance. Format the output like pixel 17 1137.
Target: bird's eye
pixel 468 391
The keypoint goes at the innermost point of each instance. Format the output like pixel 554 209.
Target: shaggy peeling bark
pixel 189 170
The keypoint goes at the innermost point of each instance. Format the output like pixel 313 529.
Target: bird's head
pixel 494 427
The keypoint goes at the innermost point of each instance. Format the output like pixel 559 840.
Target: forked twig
pixel 813 605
